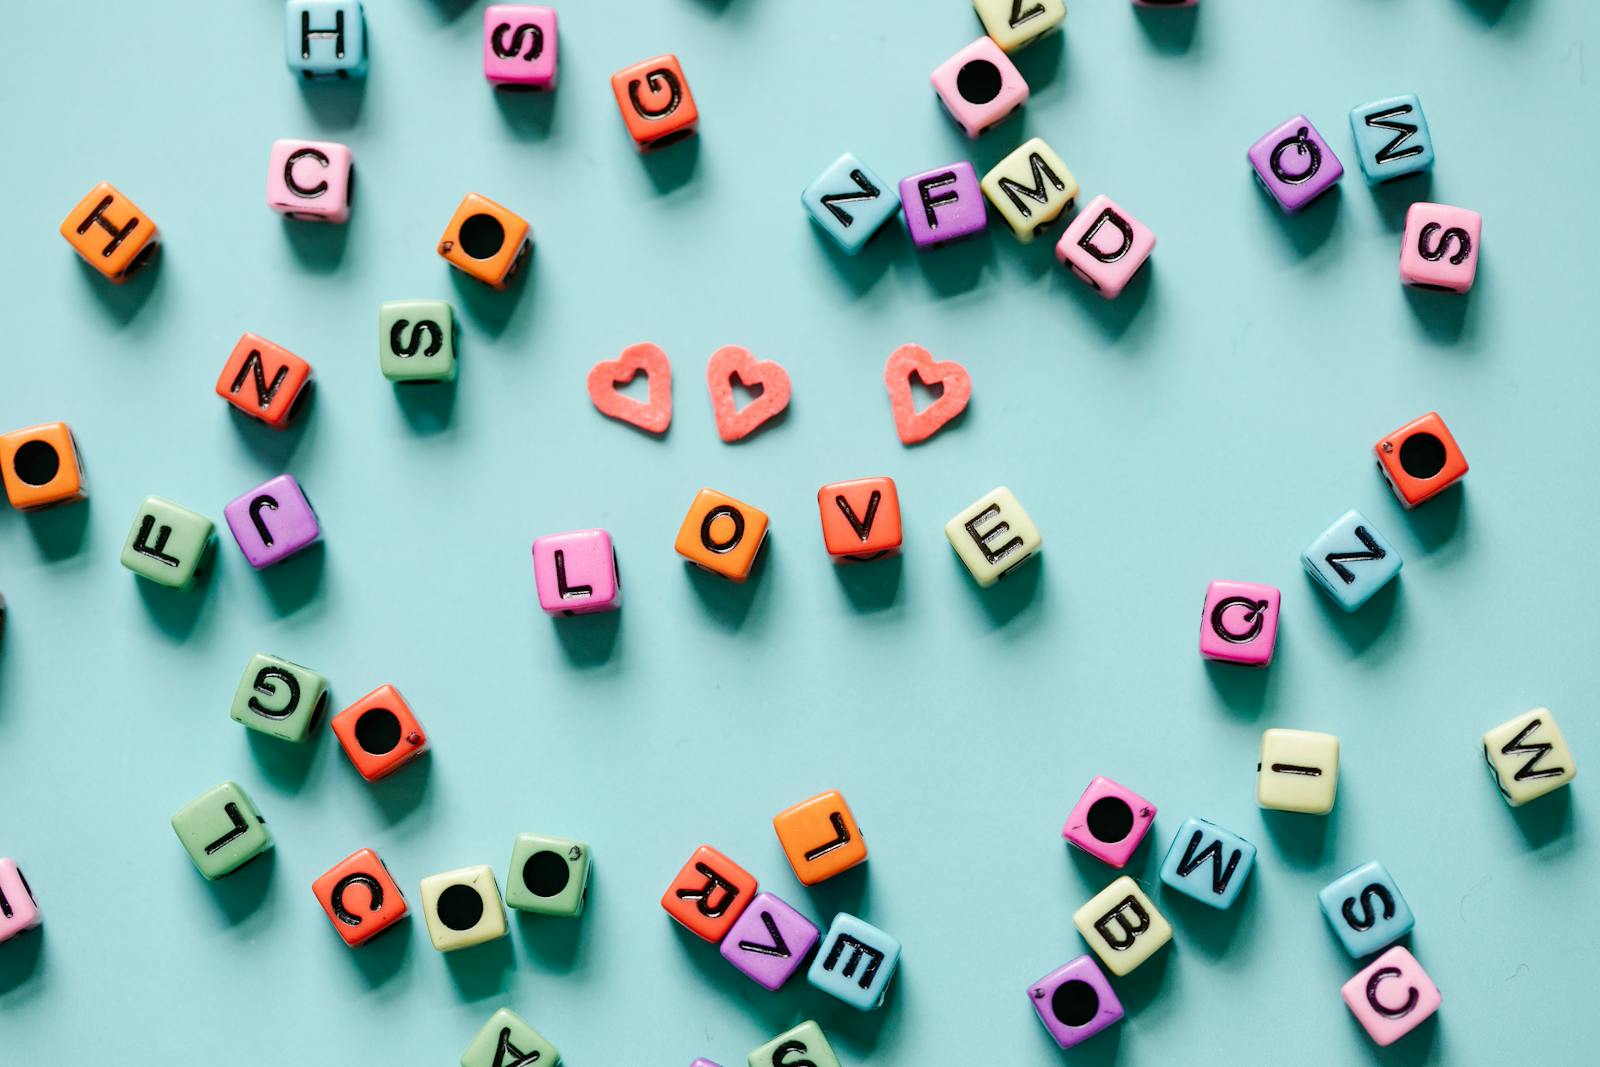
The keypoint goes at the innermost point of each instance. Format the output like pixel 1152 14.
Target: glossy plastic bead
pixel 1351 560
pixel 1031 188
pixel 279 698
pixel 168 543
pixel 1421 459
pixel 360 897
pixel 272 522
pixel 860 518
pixel 855 962
pixel 41 467
pixel 1392 138
pixel 769 942
pixel 1016 24
pixel 979 86
pixel 1208 863
pixel 1298 771
pixel 462 908
pixel 519 46
pixel 379 733
pixel 655 101
pixel 795 1048
pixel 486 241
pixel 1108 821
pixel 310 180
pixel 1391 996
pixel 222 830
pixel 18 910
pixel 1239 623
pixel 1528 757
pixel 943 205
pixel 1105 246
pixel 1075 1002
pixel 1366 909
pixel 110 232
pixel 1122 926
pixel 722 535
pixel 1440 247
pixel 993 535
pixel 820 837
pixel 1294 164
pixel 576 573
pixel 507 1040
pixel 849 202
pixel 417 341
pixel 325 38
pixel 709 894
pixel 548 875
pixel 264 380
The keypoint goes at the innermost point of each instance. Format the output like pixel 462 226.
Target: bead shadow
pixel 402 793
pixel 293 584
pixel 1040 62
pixel 286 764
pixel 1359 629
pixel 385 956
pixel 176 611
pixel 1114 316
pixel 847 891
pixel 274 447
pixel 426 406
pixel 958 266
pixel 862 271
pixel 1436 521
pixel 1546 820
pixel 335 103
pixel 777 1011
pixel 1170 31
pixel 482 971
pixel 449 10
pixel 871 585
pixel 240 894
pixel 1210 930
pixel 20 960
pixel 1442 316
pixel 555 943
pixel 1309 228
pixel 587 640
pixel 1138 989
pixel 1011 595
pixel 490 310
pixel 1244 690
pixel 672 166
pixel 529 114
pixel 122 302
pixel 58 532
pixel 1394 198
pixel 1490 12
pixel 1419 1046
pixel 1302 841
pixel 1102 1050
pixel 318 247
pixel 729 602
pixel 852 1028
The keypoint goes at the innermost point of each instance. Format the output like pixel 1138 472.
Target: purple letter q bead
pixel 942 205
pixel 1295 164
pixel 1075 1002
pixel 1239 623
pixel 1109 821
pixel 1105 246
pixel 272 522
pixel 576 573
pixel 770 941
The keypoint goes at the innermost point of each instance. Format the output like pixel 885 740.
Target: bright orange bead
pixel 41 466
pixel 263 380
pixel 360 896
pixel 485 240
pixel 709 894
pixel 379 733
pixel 820 837
pixel 860 518
pixel 110 232
pixel 1421 459
pixel 722 534
pixel 655 102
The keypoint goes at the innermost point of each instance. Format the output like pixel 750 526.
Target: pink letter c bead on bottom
pixel 576 573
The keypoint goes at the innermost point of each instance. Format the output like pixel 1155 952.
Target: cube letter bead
pixel 1421 459
pixel 264 380
pixel 1528 757
pixel 1031 188
pixel 325 38
pixel 462 908
pixel 804 1044
pixel 1299 771
pixel 1122 926
pixel 507 1040
pixel 655 101
pixel 168 544
pixel 486 241
pixel 1392 138
pixel 279 698
pixel 1366 910
pixel 709 894
pixel 855 962
pixel 519 46
pixel 222 830
pixel 860 518
pixel 820 837
pixel 379 733
pixel 548 876
pixel 273 521
pixel 979 86
pixel 41 467
pixel 1208 863
pixel 1015 24
pixel 417 341
pixel 943 205
pixel 360 896
pixel 722 535
pixel 110 232
pixel 849 202
pixel 1351 561
pixel 1391 996
pixel 1294 164
pixel 1109 821
pixel 1440 247
pixel 310 180
pixel 702 1063
pixel 1105 246
pixel 993 535
pixel 18 910
pixel 769 942
pixel 576 573
pixel 1075 1002
pixel 1239 623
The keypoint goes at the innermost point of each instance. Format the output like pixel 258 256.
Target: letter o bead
pixel 1440 247
pixel 360 897
pixel 722 535
pixel 1105 246
pixel 519 46
pixel 310 180
pixel 1391 996
pixel 1122 925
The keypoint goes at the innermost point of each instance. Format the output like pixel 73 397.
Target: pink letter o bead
pixel 1391 996
pixel 1105 246
pixel 1440 247
pixel 310 180
pixel 519 46
pixel 20 912
pixel 273 521
pixel 979 86
pixel 576 573
pixel 1109 821
pixel 1239 623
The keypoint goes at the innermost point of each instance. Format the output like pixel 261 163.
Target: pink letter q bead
pixel 1109 821
pixel 576 573
pixel 1440 247
pixel 310 180
pixel 1239 623
pixel 1391 996
pixel 1105 246
pixel 19 911
pixel 273 521
pixel 519 46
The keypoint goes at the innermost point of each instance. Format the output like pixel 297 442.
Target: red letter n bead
pixel 264 380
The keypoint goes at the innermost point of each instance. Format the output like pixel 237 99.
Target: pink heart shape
pixel 730 361
pixel 652 416
pixel 914 426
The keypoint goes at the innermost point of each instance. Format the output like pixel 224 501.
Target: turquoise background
pixel 1208 424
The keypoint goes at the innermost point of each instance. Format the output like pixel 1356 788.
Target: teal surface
pixel 1206 425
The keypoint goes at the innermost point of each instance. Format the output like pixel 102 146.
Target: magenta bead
pixel 1109 821
pixel 519 46
pixel 576 573
pixel 1105 246
pixel 272 522
pixel 1239 623
pixel 310 180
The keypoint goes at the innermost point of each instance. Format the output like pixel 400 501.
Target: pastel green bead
pixel 168 543
pixel 507 1039
pixel 803 1044
pixel 417 341
pixel 549 875
pixel 279 698
pixel 222 830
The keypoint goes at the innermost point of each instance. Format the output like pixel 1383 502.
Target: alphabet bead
pixel 849 202
pixel 360 896
pixel 979 86
pixel 18 910
pixel 576 573
pixel 722 535
pixel 804 1044
pixel 1016 24
pixel 168 543
pixel 519 46
pixel 1208 863
pixel 1075 1002
pixel 1109 821
pixel 655 102
pixel 1298 771
pixel 548 876
pixel 417 341
pixel 855 962
pixel 1391 996
pixel 1421 459
pixel 1031 188
pixel 272 522
pixel 702 1062
pixel 1122 926
pixel 325 38
pixel 1366 909
pixel 279 698
pixel 507 1040
pixel 820 837
pixel 462 908
pixel 310 180
pixel 1528 757
pixel 222 830
pixel 1440 247
pixel 1105 246
pixel 709 894
pixel 1295 164
pixel 1239 623
pixel 486 241
pixel 1351 561
pixel 993 536
pixel 769 942
pixel 860 518
pixel 110 232
pixel 1392 138
pixel 264 380
pixel 943 205
pixel 41 467
pixel 379 733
